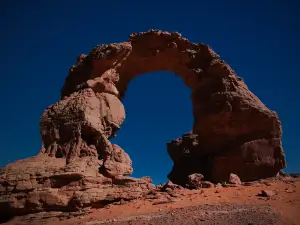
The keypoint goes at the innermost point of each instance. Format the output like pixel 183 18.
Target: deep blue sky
pixel 40 41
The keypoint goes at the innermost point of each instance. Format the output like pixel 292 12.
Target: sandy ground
pixel 230 205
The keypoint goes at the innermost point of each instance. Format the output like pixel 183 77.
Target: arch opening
pixel 158 108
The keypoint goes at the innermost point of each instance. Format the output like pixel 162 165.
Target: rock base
pixel 44 183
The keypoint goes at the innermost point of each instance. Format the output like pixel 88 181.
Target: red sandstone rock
pixel 44 183
pixel 117 162
pixel 233 131
pixel 224 108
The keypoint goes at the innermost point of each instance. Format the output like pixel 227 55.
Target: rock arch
pixel 233 130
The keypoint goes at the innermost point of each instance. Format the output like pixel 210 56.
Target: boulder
pixel 267 193
pixel 234 179
pixel 195 180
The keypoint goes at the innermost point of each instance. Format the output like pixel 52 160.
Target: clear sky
pixel 40 40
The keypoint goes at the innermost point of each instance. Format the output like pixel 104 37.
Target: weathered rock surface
pixel 117 163
pixel 44 183
pixel 81 124
pixel 251 160
pixel 233 131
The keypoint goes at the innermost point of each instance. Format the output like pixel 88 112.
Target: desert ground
pixel 280 204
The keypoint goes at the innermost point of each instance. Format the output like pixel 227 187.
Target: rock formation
pixel 233 131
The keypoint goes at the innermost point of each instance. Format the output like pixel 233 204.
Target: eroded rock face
pixel 117 163
pixel 233 131
pixel 81 124
pixel 251 160
pixel 44 183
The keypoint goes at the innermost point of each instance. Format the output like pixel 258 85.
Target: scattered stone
pixel 252 183
pixel 169 186
pixel 162 202
pixel 206 184
pixel 267 193
pixel 282 173
pixel 226 185
pixel 295 175
pixel 218 185
pixel 218 190
pixel 289 190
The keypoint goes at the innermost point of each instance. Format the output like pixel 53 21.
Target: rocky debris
pixel 282 173
pixel 169 186
pixel 267 193
pixel 206 184
pixel 218 188
pixel 79 167
pixel 287 190
pixel 295 175
pixel 234 179
pixel 167 201
pixel 218 185
pixel 205 215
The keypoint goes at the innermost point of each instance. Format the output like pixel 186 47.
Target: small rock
pixel 170 186
pixel 267 183
pixel 218 190
pixel 234 179
pixel 174 195
pixel 252 183
pixel 289 190
pixel 267 193
pixel 282 173
pixel 218 185
pixel 206 184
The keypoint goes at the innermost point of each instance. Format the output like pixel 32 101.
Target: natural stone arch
pixel 233 130
pixel 78 167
